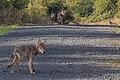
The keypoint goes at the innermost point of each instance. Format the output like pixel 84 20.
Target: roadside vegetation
pixel 117 30
pixel 6 28
pixel 77 11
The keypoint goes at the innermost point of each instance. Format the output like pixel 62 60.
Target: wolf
pixel 27 52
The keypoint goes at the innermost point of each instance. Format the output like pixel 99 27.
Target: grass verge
pixel 117 30
pixel 6 28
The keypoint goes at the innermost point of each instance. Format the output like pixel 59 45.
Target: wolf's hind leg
pixel 19 67
pixel 14 61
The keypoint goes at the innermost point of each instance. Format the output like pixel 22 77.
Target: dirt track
pixel 72 53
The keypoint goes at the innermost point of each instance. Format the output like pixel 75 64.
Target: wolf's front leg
pixel 30 65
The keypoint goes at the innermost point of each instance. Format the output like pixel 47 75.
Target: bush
pixel 118 9
pixel 6 28
pixel 104 9
pixel 85 8
pixel 34 12
pixel 10 10
pixel 68 17
pixel 19 4
pixel 55 7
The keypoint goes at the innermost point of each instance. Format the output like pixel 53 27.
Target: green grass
pixel 6 28
pixel 117 30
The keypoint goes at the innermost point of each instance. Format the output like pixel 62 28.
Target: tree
pixel 34 11
pixel 19 4
pixel 10 9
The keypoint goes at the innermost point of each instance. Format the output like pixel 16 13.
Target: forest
pixel 77 11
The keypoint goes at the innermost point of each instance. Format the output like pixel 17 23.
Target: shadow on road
pixel 62 32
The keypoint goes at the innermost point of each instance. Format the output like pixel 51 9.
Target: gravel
pixel 72 53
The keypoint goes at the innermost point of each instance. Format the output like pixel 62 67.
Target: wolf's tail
pixel 12 60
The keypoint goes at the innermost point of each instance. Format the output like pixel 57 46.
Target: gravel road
pixel 72 53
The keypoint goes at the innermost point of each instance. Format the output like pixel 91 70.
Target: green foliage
pixel 71 3
pixel 37 11
pixel 85 8
pixel 68 17
pixel 117 30
pixel 11 10
pixel 19 4
pixel 55 7
pixel 36 8
pixel 104 9
pixel 4 3
pixel 104 6
pixel 6 28
pixel 34 12
pixel 118 9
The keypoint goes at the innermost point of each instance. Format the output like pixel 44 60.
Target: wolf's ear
pixel 44 41
pixel 39 41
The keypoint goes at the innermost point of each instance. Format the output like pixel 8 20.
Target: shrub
pixel 104 9
pixel 55 7
pixel 118 9
pixel 68 17
pixel 85 8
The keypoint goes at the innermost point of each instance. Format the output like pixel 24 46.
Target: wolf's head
pixel 40 46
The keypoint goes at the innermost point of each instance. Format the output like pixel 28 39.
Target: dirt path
pixel 73 53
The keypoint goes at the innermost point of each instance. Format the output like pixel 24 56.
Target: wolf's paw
pixel 32 72
pixel 12 72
